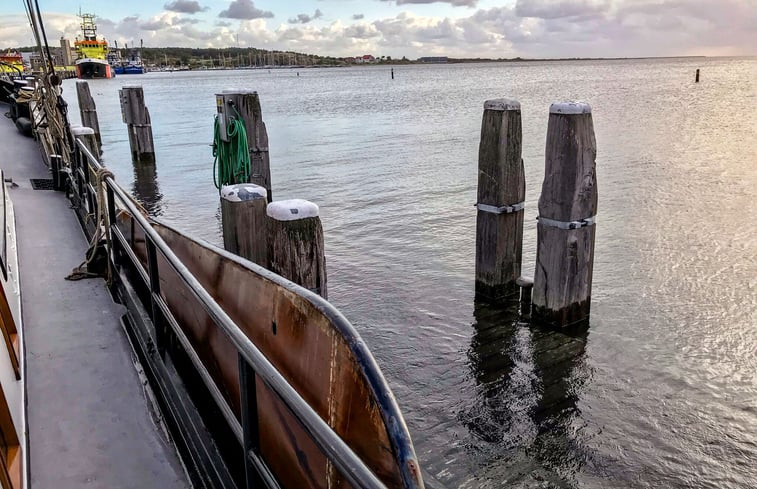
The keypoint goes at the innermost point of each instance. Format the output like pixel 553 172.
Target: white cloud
pixel 537 28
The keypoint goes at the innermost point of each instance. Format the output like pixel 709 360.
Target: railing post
pixel 157 313
pixel 249 421
pixel 111 219
pixel 56 162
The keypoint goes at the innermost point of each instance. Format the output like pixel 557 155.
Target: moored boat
pixel 93 52
pixel 11 62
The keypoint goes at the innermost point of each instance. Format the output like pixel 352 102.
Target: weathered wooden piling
pixel 567 210
pixel 88 111
pixel 295 244
pixel 501 194
pixel 137 119
pixel 243 217
pixel 246 104
pixel 696 79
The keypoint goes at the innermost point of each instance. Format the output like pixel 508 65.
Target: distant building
pixel 67 57
pixel 433 59
pixel 366 58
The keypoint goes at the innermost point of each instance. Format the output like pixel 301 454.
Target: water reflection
pixel 528 382
pixel 145 188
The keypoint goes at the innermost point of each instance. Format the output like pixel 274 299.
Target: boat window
pixel 10 453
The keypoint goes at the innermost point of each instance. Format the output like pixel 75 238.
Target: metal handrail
pixel 337 451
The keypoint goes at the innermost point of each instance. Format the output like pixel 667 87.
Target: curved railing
pixel 326 421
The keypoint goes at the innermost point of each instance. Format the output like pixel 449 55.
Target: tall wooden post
pixel 88 111
pixel 137 119
pixel 246 104
pixel 243 217
pixel 501 192
pixel 696 78
pixel 295 244
pixel 567 210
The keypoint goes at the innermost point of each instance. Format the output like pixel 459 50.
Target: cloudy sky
pixel 412 28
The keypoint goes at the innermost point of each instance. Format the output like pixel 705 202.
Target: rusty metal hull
pixel 309 342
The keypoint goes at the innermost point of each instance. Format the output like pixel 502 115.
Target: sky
pixel 412 28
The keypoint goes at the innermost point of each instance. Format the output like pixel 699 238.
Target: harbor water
pixel 659 391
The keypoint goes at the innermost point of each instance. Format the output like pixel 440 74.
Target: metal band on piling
pixel 505 209
pixel 581 223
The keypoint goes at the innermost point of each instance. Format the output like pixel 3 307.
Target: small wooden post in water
pixel 295 244
pixel 243 216
pixel 567 210
pixel 137 120
pixel 501 194
pixel 88 111
pixel 696 80
pixel 246 104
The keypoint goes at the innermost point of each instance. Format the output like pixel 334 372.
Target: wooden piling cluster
pixel 285 236
pixel 567 211
pixel 136 116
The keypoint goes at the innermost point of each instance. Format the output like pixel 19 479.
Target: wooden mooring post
pixel 696 77
pixel 501 195
pixel 567 210
pixel 137 119
pixel 246 104
pixel 88 111
pixel 243 218
pixel 295 244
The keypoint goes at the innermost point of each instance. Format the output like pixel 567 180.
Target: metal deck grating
pixel 42 183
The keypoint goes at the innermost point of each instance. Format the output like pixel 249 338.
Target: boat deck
pixel 90 423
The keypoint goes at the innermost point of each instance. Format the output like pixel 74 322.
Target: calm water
pixel 661 391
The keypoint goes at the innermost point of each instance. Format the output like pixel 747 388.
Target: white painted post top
pixel 82 131
pixel 503 104
pixel 291 210
pixel 570 108
pixel 241 91
pixel 242 192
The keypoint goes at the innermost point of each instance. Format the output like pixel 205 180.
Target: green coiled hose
pixel 232 159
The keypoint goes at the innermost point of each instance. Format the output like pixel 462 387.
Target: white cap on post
pixel 291 210
pixel 570 108
pixel 82 131
pixel 242 192
pixel 502 104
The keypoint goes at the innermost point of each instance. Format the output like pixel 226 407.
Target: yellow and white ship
pixel 92 62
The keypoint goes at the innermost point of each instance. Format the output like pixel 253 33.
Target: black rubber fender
pixel 24 126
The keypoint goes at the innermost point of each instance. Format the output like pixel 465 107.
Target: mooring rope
pixel 232 158
pixel 102 229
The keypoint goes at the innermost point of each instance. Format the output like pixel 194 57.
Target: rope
pixel 232 158
pixel 102 229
